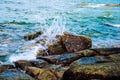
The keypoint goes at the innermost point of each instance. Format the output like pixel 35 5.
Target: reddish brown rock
pixel 67 43
pixel 56 48
pixel 75 43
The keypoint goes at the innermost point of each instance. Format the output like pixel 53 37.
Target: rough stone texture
pixel 56 48
pixel 67 43
pixel 24 64
pixel 6 66
pixel 13 74
pixel 32 36
pixel 42 53
pixel 58 70
pixel 75 43
pixel 102 71
pixel 63 59
pixel 41 74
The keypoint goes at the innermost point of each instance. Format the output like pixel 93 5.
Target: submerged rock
pixel 32 36
pixel 101 71
pixel 6 66
pixel 41 74
pixel 13 74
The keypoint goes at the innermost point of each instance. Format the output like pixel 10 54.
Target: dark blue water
pixel 94 19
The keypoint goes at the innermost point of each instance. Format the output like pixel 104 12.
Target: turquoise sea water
pixel 18 17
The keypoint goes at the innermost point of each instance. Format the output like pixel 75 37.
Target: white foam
pixel 30 49
pixel 114 25
pixel 95 5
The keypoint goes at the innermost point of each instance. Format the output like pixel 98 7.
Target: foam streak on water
pixel 30 49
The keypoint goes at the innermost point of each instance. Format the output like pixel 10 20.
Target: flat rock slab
pixel 13 74
pixel 101 71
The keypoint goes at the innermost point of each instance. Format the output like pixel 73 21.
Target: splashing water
pixel 30 49
pixel 57 28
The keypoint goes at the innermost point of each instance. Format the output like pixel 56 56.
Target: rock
pixel 5 67
pixel 24 64
pixel 109 58
pixel 106 51
pixel 58 70
pixel 41 74
pixel 63 59
pixel 13 74
pixel 101 71
pixel 74 43
pixel 39 63
pixel 66 59
pixel 32 36
pixel 56 48
pixel 86 60
pixel 42 53
pixel 67 43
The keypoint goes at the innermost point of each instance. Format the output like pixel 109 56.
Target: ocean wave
pixel 98 5
pixel 111 24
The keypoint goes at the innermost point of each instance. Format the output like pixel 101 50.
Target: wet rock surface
pixel 13 74
pixel 41 73
pixel 67 43
pixel 83 65
pixel 4 67
pixel 32 36
pixel 69 58
pixel 24 64
pixel 102 71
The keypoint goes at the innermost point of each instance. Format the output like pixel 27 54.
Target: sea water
pixel 19 17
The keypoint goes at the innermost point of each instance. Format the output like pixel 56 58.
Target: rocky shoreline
pixel 70 58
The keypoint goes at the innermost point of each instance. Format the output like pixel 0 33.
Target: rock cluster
pixel 67 43
pixel 71 58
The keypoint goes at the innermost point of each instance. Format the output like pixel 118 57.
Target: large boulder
pixel 67 43
pixel 101 71
pixel 74 43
